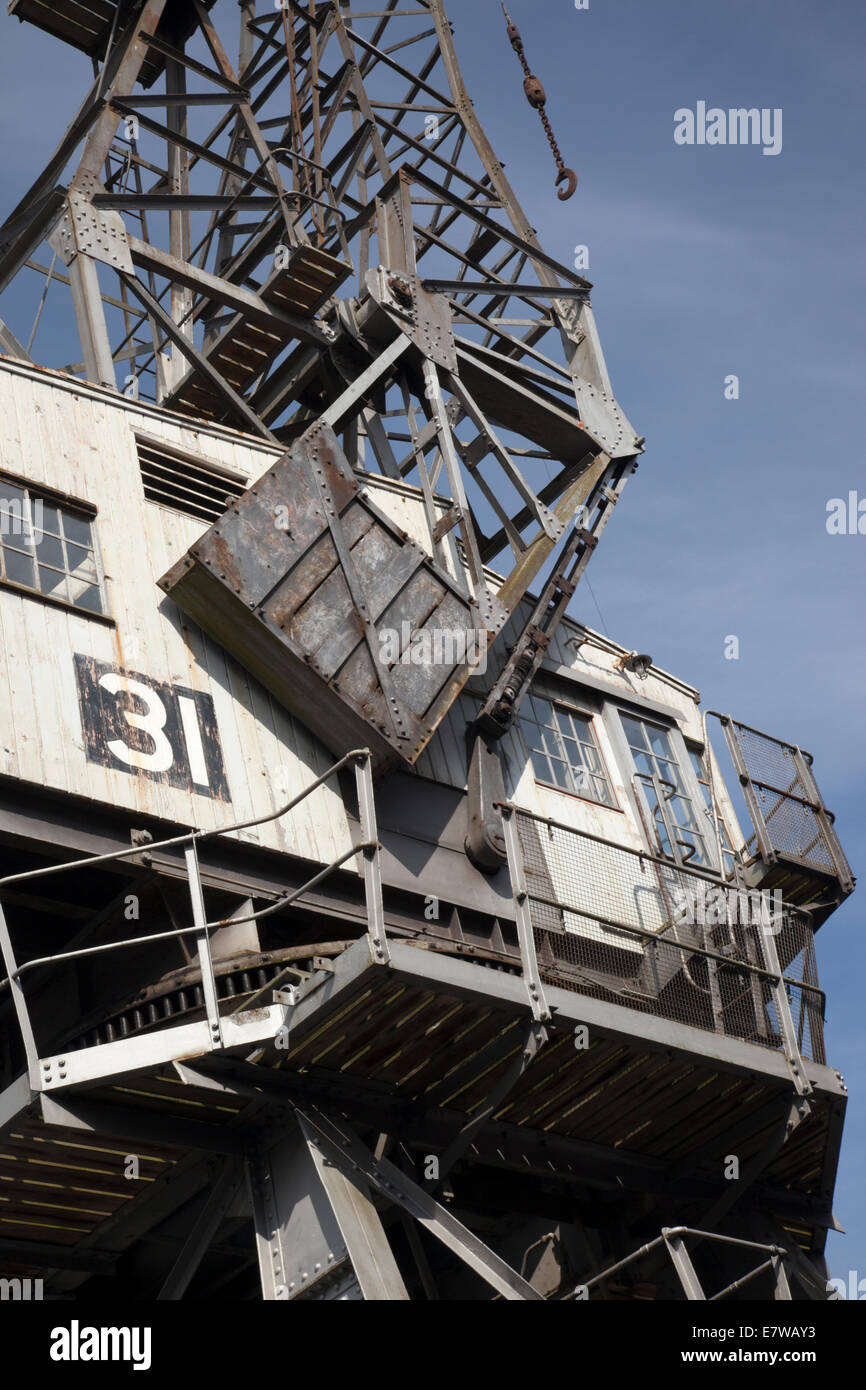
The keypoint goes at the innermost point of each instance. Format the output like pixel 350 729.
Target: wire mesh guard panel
pixel 618 925
pixel 793 828
pixel 795 943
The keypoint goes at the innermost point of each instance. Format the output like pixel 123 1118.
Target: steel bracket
pixel 421 314
pixel 89 231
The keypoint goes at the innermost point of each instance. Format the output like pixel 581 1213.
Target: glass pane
pixel 81 562
pixel 644 763
pixel 682 813
pixel 17 543
pixel 77 529
pixel 664 842
pixel 50 519
pixel 601 791
pixel 697 764
pixel 18 567
pixel 540 710
pixel 561 774
pixel 573 751
pixel 11 498
pixel 540 766
pixel 563 719
pixel 13 511
pixel 582 729
pixel 49 551
pixel 659 741
pixel 549 743
pixel 88 598
pixel 634 732
pixel 528 729
pixel 591 758
pixel 696 842
pixel 52 583
pixel 669 772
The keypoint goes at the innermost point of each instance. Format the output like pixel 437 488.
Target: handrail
pixel 650 936
pixel 197 836
pixel 767 976
pixel 672 1238
pixel 368 847
pixel 643 932
pixel 705 875
pixel 285 901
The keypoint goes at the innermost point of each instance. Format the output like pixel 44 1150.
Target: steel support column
pixel 317 1232
pixel 344 1149
pixel 523 914
pixel 204 1229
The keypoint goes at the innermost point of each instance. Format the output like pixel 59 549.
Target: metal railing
pixel 672 1242
pixel 593 917
pixel 368 848
pixel 790 819
pixel 638 930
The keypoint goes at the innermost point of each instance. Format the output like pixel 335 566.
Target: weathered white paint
pixel 81 439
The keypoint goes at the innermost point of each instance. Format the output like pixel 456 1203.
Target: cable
pixel 598 606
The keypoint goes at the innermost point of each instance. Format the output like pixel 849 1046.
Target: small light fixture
pixel 638 663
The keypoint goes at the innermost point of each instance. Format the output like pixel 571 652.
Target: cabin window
pixel 700 765
pixel 49 548
pixel 664 794
pixel 561 745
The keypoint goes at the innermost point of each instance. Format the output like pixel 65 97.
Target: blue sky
pixel 707 261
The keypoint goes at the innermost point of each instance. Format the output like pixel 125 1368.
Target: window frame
pixel 703 753
pixel 590 717
pixel 84 511
pixel 619 738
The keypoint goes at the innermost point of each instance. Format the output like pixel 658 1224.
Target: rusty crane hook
pixel 566 179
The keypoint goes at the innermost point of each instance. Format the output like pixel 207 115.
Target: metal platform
pixel 90 26
pixel 484 1062
pixel 421 1048
pixel 246 348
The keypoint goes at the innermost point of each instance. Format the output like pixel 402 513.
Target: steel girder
pixel 339 174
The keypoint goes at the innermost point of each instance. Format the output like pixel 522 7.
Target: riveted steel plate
pixel 349 623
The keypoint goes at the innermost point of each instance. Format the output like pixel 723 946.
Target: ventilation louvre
pixel 193 486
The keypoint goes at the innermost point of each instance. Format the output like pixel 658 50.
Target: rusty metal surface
pixel 301 578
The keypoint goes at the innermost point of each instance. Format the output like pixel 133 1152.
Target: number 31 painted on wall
pixel 151 729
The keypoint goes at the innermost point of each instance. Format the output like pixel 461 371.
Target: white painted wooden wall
pixel 81 440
